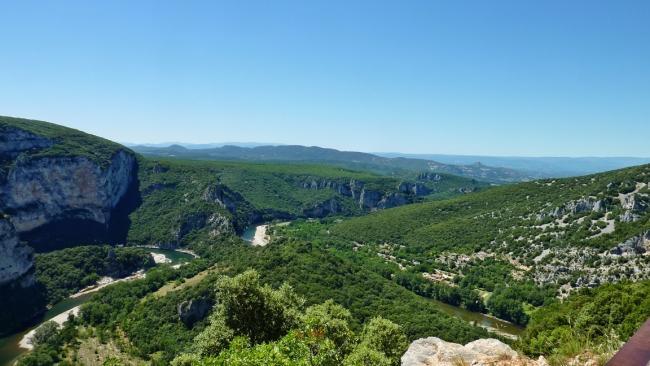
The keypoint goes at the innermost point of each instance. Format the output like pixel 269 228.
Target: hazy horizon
pixel 248 144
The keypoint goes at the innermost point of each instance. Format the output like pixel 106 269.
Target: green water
pixel 480 319
pixel 173 255
pixel 249 233
pixel 9 349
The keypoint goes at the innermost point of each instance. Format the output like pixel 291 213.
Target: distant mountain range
pixel 348 159
pixel 208 145
pixel 542 167
pixel 494 169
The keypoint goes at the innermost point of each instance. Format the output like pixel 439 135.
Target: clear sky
pixel 461 77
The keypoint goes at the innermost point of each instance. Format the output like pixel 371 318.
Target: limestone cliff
pixel 15 257
pixel 54 191
pixel 366 198
pixel 40 191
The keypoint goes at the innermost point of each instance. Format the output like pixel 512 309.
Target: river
pixel 9 349
pixel 249 233
pixel 498 326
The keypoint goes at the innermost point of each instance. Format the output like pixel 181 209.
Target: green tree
pixel 332 321
pixel 257 311
pixel 384 336
pixel 46 333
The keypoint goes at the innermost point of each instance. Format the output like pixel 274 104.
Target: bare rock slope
pixel 434 351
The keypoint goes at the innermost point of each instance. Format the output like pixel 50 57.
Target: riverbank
pixel 26 341
pixel 179 250
pixel 160 258
pixel 260 238
pixel 488 322
pixel 259 235
pixel 10 345
pixel 106 281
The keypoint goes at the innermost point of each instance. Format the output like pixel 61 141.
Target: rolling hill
pixel 539 167
pixel 348 159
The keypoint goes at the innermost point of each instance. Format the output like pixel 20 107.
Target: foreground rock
pixel 434 351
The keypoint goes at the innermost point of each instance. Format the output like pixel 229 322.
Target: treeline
pixel 64 272
pixel 452 295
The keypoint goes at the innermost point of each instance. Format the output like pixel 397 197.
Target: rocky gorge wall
pixel 366 198
pixel 54 200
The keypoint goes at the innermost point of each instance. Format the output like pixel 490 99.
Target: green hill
pixel 183 199
pixel 522 244
pixel 58 141
pixel 403 167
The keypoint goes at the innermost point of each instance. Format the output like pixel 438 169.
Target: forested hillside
pixel 573 232
pixel 185 200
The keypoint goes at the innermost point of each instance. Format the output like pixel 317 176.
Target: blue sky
pixel 517 77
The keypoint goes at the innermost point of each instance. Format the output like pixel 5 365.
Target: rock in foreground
pixel 434 351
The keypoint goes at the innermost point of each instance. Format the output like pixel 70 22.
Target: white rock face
pixel 38 191
pixel 434 351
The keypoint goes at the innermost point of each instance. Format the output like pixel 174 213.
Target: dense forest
pixel 67 271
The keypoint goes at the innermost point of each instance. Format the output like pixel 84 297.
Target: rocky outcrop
pixel 392 200
pixel 434 351
pixel 13 141
pixel 367 199
pixel 584 205
pixel 434 177
pixel 215 222
pixel 634 205
pixel 350 188
pixel 42 195
pixel 629 216
pixel 191 311
pixel 328 207
pixel 222 196
pixel 15 257
pixel 635 245
pixel 634 202
pixel 581 205
pixel 417 189
pixel 40 191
